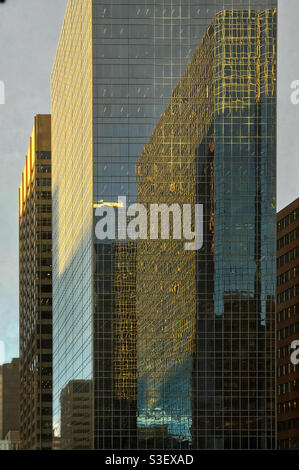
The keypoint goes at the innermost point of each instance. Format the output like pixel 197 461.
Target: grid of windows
pixel 288 387
pixel 288 312
pixel 287 220
pixel 118 65
pixel 35 293
pixel 288 238
pixel 289 405
pixel 288 257
pixel 288 331
pixel 288 275
pixel 288 294
pixel 288 325
pixel 72 212
pixel 286 369
pixel 206 377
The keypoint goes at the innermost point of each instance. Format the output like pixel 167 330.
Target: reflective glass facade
pixel 167 101
pixel 72 212
pixel 206 379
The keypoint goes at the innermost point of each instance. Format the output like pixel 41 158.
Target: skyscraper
pixel 9 398
pixel 120 93
pixel 287 325
pixel 35 290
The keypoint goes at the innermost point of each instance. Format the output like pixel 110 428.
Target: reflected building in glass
pixel 206 319
pixel 166 102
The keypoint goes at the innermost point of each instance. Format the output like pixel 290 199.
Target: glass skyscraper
pixel 166 102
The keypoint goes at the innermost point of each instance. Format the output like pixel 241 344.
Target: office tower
pixel 76 415
pixel 35 290
pixel 206 318
pixel 287 326
pixel 9 398
pixel 116 67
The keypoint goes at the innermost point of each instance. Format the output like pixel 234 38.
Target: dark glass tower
pixel 206 319
pixel 35 290
pixel 185 93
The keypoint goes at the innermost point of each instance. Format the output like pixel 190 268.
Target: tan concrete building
pixel 9 397
pixel 35 295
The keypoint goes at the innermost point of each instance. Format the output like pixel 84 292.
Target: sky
pixel 29 33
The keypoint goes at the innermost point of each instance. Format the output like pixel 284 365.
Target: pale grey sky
pixel 29 33
pixel 288 113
